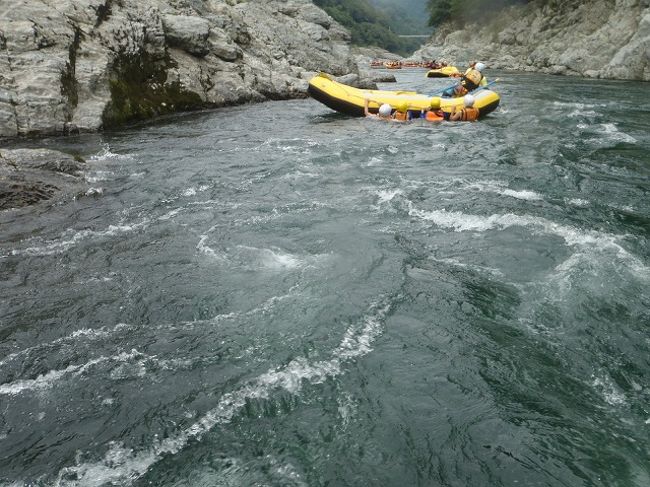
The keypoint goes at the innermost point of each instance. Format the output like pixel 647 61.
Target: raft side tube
pixel 338 104
pixel 350 101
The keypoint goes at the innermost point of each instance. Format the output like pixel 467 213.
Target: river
pixel 279 295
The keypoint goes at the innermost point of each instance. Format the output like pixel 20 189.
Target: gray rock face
pixel 597 39
pixel 28 176
pixel 188 33
pixel 81 65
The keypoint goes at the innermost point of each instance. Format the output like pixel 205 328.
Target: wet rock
pixel 28 176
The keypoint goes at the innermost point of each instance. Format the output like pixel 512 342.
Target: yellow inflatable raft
pixel 351 101
pixel 445 72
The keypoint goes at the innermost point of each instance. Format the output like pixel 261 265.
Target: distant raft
pixel 445 72
pixel 351 101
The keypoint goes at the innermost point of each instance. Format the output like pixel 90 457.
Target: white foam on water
pixel 461 222
pixel 70 238
pixel 474 267
pixel 95 191
pixel 579 106
pixel 170 214
pixel 274 258
pixel 189 192
pixel 98 176
pixel 647 421
pixel 124 465
pixel 294 145
pixel 347 408
pixel 207 250
pixel 384 196
pixel 49 379
pixel 522 195
pixel 610 392
pixel 89 334
pixel 501 188
pixel 612 132
pixel 298 174
pixel 582 113
pixel 578 202
pixel 107 155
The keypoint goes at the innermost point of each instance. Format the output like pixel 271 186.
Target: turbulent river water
pixel 280 295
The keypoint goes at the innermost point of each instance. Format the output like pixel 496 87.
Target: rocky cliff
pixel 596 38
pixel 81 65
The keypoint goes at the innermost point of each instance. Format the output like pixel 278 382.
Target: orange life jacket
pixel 432 116
pixel 469 114
pixel 401 116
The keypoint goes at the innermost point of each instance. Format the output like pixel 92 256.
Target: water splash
pixel 123 465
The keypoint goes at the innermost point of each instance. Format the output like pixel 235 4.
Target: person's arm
pixel 365 108
pixel 454 115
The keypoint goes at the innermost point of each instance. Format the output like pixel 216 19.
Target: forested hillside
pixel 461 11
pixel 368 25
pixel 405 16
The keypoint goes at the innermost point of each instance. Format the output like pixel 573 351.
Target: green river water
pixel 279 295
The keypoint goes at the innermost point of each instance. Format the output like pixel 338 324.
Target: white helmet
pixel 479 67
pixel 469 100
pixel 385 110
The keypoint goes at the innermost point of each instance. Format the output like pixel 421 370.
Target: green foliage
pixel 139 90
pixel 368 26
pixel 405 16
pixel 463 11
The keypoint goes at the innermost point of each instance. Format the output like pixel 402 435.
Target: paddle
pixel 483 87
pixel 440 92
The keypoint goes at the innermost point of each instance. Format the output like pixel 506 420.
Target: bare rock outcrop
pixel 28 176
pixel 81 65
pixel 597 39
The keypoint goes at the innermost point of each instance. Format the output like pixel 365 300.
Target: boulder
pixel 188 33
pixel 28 176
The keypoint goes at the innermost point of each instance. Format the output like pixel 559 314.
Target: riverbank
pixel 70 67
pixel 607 39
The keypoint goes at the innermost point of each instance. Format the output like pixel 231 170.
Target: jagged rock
pixel 188 33
pixel 597 39
pixel 28 176
pixel 81 65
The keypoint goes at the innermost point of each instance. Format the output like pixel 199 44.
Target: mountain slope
pixel 597 39
pixel 405 16
pixel 368 25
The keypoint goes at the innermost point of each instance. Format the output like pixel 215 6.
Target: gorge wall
pixel 596 38
pixel 82 65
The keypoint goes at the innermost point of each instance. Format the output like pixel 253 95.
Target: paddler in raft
pixel 470 81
